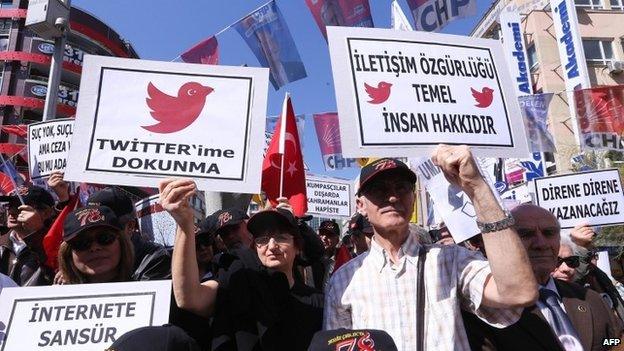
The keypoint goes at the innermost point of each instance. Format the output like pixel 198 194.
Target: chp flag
pixel 48 146
pixel 328 134
pixel 329 197
pixel 401 93
pixel 203 122
pixel 433 15
pixel 600 114
pixel 594 197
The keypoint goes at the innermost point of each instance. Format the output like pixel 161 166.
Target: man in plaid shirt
pixel 378 289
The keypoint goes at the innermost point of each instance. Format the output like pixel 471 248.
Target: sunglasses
pixel 570 261
pixel 85 242
pixel 203 240
pixel 280 239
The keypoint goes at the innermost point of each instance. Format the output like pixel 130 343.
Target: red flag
pixel 285 143
pixel 6 184
pixel 12 149
pixel 206 52
pixel 342 256
pixel 18 129
pixel 53 238
pixel 601 110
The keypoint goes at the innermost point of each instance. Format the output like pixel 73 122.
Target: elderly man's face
pixel 539 231
pixel 388 201
pixel 565 271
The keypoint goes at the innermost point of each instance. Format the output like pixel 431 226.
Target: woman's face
pixel 96 253
pixel 277 251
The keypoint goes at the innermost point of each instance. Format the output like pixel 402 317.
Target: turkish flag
pixel 53 238
pixel 206 52
pixel 16 129
pixel 285 143
pixel 601 110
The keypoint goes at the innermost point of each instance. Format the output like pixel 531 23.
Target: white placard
pixel 81 317
pixel 594 198
pixel 603 263
pixel 48 146
pixel 156 220
pixel 402 93
pixel 449 201
pixel 140 121
pixel 329 197
pixel 521 194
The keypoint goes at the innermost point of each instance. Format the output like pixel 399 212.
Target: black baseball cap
pixel 221 219
pixel 381 166
pixel 162 338
pixel 330 227
pixel 365 339
pixel 113 198
pixel 89 217
pixel 33 195
pixel 358 224
pixel 271 219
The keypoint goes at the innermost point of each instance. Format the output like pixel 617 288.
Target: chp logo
pixel 175 113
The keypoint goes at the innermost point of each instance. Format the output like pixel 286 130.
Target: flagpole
pixel 12 180
pixel 282 141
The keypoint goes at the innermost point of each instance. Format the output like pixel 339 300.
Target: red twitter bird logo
pixel 484 98
pixel 379 94
pixel 175 113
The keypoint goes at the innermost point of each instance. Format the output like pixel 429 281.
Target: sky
pixel 161 30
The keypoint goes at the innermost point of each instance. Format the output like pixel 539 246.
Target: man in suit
pixel 566 316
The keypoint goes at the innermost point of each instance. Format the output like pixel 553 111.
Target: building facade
pixel 601 24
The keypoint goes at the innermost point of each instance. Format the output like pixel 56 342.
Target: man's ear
pixel 360 205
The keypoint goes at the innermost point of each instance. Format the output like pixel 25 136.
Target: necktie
pixel 563 327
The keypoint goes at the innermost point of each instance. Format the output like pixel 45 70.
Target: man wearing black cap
pixel 329 233
pixel 380 288
pixel 21 252
pixel 231 226
pixel 151 260
pixel 361 233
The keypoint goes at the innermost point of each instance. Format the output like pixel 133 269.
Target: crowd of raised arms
pixel 270 282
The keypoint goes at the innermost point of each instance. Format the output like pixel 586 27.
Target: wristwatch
pixel 497 226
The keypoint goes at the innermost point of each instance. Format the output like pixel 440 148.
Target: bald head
pixel 540 234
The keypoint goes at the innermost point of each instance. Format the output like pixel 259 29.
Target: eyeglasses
pixel 203 240
pixel 570 261
pixel 280 239
pixel 380 189
pixel 84 243
pixel 530 232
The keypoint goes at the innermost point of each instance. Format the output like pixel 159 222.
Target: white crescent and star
pixel 292 169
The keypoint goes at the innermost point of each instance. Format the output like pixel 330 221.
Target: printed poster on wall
pixel 402 93
pixel 203 122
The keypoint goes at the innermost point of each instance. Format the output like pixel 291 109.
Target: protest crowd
pixel 83 264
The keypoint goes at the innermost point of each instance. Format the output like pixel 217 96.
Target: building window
pixel 532 57
pixel 592 4
pixel 4 42
pixel 5 26
pixel 617 4
pixel 598 51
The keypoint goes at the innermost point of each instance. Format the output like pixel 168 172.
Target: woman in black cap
pixel 93 248
pixel 265 310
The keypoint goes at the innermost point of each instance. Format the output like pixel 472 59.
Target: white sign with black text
pixel 81 317
pixel 329 197
pixel 48 146
pixel 402 93
pixel 203 122
pixel 594 197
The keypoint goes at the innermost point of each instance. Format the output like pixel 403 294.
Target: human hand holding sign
pixel 460 168
pixel 174 196
pixel 59 185
pixel 582 235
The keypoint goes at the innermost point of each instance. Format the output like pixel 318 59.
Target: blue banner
pixel 268 36
pixel 535 112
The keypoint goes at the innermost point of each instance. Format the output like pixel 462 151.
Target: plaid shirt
pixel 369 293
